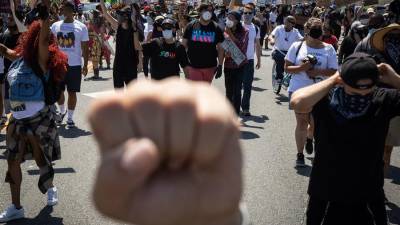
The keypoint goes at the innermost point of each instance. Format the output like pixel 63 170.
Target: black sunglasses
pixel 248 13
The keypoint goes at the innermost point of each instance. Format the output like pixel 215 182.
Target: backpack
pixel 51 88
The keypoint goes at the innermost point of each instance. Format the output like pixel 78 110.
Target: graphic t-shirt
pixel 165 58
pixel 69 37
pixel 326 57
pixel 202 44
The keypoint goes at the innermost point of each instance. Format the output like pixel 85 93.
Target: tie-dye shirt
pixel 202 44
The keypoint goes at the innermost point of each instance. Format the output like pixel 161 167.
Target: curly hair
pixel 28 48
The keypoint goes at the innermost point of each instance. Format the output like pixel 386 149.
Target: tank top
pixel 126 57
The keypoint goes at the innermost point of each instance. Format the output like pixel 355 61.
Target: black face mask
pixel 315 33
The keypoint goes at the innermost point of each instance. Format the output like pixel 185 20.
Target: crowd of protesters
pixel 344 86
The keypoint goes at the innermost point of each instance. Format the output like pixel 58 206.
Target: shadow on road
pixel 98 79
pixel 393 213
pixel 56 170
pixel 281 99
pixel 304 171
pixel 256 119
pixel 257 79
pixel 73 132
pixel 258 89
pixel 44 217
pixel 394 174
pixel 248 135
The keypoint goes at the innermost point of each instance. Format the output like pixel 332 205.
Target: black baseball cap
pixel 359 66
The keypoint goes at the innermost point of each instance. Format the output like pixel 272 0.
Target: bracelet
pixel 244 214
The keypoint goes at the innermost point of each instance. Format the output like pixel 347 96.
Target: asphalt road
pixel 275 192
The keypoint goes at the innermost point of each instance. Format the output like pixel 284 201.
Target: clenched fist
pixel 170 155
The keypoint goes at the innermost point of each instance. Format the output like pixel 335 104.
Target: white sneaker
pixel 12 213
pixel 52 196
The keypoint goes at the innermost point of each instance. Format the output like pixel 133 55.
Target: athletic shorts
pixel 393 137
pixel 73 79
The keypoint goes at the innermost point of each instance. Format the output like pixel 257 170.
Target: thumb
pixel 122 173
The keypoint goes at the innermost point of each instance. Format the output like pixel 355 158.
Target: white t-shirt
pixel 253 37
pixel 26 109
pixel 283 39
pixel 326 57
pixel 272 17
pixel 69 37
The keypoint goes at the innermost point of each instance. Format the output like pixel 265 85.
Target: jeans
pixel 233 86
pixel 280 63
pixel 321 212
pixel 247 83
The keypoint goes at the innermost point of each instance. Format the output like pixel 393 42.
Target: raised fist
pixel 170 155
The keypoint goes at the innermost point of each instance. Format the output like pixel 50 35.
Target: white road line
pixel 99 94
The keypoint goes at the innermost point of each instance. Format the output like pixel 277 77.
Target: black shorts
pixel 72 79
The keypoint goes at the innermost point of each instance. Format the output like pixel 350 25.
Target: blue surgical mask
pixel 167 34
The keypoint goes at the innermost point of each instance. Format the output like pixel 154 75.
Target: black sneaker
pixel 309 146
pixel 300 160
pixel 70 124
pixel 246 113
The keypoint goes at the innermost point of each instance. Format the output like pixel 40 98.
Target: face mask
pixel 62 17
pixel 167 34
pixel 248 18
pixel 229 23
pixel 315 33
pixel 349 106
pixel 206 16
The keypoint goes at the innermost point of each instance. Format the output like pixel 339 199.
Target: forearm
pixel 8 53
pixel 44 36
pixel 294 69
pixel 85 55
pixel 258 50
pixel 304 99
pixel 327 72
pixel 221 55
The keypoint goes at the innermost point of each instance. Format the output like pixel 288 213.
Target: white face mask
pixel 206 16
pixel 229 23
pixel 167 34
pixel 62 17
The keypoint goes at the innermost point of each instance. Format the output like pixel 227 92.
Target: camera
pixel 312 59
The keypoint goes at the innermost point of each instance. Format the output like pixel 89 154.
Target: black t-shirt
pixel 165 58
pixel 126 57
pixel 348 164
pixel 202 44
pixel 10 41
pixel 347 48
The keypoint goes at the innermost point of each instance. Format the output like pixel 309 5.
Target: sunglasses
pixel 248 13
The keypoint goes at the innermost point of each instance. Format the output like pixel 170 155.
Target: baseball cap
pixel 370 10
pixel 359 66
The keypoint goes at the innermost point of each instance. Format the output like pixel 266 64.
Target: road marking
pixel 99 94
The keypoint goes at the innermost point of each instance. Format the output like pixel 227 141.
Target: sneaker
pixel 70 123
pixel 300 160
pixel 52 196
pixel 309 146
pixel 60 117
pixel 12 213
pixel 246 113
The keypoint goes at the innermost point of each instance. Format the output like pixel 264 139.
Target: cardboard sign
pixel 237 55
